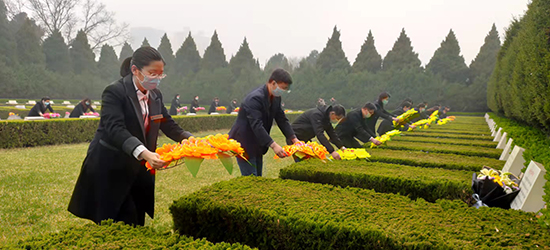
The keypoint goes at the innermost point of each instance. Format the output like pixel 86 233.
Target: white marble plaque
pixel 498 135
pixel 34 118
pixel 66 103
pixel 503 140
pixel 515 161
pixel 531 191
pixel 506 152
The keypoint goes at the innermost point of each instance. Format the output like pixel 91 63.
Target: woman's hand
pixel 153 159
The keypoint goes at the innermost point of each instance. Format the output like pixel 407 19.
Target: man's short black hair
pixel 383 95
pixel 369 106
pixel 407 105
pixel 421 105
pixel 46 98
pixel 339 110
pixel 280 76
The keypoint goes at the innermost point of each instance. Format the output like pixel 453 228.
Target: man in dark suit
pixel 258 110
pixel 214 105
pixel 355 126
pixel 41 107
pixel 175 105
pixel 386 125
pixel 380 112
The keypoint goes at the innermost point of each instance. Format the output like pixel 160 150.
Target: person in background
pixel 232 106
pixel 194 105
pixel 214 105
pixel 321 102
pixel 258 110
pixel 81 108
pixel 407 100
pixel 421 108
pixel 433 109
pixel 380 112
pixel 41 107
pixel 315 122
pixel 175 105
pixel 333 101
pixel 114 182
pixel 355 125
pixel 386 126
pixel 443 112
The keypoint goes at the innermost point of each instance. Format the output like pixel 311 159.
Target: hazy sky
pixel 294 28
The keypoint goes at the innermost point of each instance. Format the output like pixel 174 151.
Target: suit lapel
pixel 132 95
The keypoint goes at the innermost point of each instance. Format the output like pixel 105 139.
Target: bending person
pixel 355 125
pixel 40 108
pixel 81 108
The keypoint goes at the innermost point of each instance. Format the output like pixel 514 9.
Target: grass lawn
pixel 36 185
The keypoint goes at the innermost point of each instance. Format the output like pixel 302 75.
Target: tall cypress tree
pixel 8 47
pixel 486 59
pixel 145 42
pixel 277 61
pixel 125 52
pixel 28 44
pixel 447 61
pixel 401 56
pixel 82 56
pixel 214 56
pixel 243 60
pixel 57 53
pixel 333 57
pixel 108 64
pixel 187 57
pixel 165 49
pixel 368 58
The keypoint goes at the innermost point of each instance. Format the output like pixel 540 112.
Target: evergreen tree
pixel 447 61
pixel 214 56
pixel 108 64
pixel 165 49
pixel 485 61
pixel 57 53
pixel 277 61
pixel 333 57
pixel 243 60
pixel 368 58
pixel 401 56
pixel 145 42
pixel 28 44
pixel 187 58
pixel 125 52
pixel 8 47
pixel 82 56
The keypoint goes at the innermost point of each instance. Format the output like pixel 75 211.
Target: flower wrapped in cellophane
pixel 306 150
pixel 386 137
pixel 353 154
pixel 405 118
pixel 494 188
pixel 443 121
pixel 221 109
pixel 51 115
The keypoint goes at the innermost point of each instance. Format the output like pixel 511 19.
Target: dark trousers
pixel 350 142
pixel 254 169
pixel 131 213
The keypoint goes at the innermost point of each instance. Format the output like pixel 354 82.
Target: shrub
pixel 448 141
pixel 452 136
pixel 430 184
pixel 452 132
pixel 285 214
pixel 443 148
pixel 466 113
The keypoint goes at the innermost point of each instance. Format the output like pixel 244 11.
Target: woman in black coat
pixel 114 182
pixel 194 105
pixel 81 108
pixel 175 105
pixel 41 107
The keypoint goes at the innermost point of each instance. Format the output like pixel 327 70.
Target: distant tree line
pixel 31 67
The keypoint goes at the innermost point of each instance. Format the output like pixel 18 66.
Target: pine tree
pixel 243 60
pixel 165 49
pixel 333 57
pixel 145 42
pixel 8 47
pixel 486 59
pixel 57 53
pixel 125 52
pixel 82 56
pixel 447 61
pixel 187 57
pixel 214 56
pixel 277 61
pixel 28 44
pixel 108 64
pixel 368 58
pixel 401 56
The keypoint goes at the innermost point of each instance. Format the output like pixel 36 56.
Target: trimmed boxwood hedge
pixel 444 148
pixel 430 184
pixel 453 132
pixel 118 236
pixel 452 136
pixel 433 160
pixel 466 114
pixel 15 134
pixel 286 214
pixel 448 141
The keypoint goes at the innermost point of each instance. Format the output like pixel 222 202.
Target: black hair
pixel 370 106
pixel 406 105
pixel 84 101
pixel 405 101
pixel 45 98
pixel 280 76
pixel 339 110
pixel 383 95
pixel 421 105
pixel 141 58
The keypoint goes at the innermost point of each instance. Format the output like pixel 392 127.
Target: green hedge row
pixel 285 214
pixel 430 184
pixel 444 148
pixel 434 160
pixel 453 132
pixel 537 148
pixel 62 131
pixel 475 143
pixel 118 236
pixel 452 136
pixel 466 113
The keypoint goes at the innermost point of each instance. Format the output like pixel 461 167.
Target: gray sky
pixel 297 27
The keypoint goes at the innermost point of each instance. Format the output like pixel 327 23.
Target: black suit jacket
pixel 79 110
pixel 380 112
pixel 174 106
pixel 39 108
pixel 255 120
pixel 110 170
pixel 354 125
pixel 314 123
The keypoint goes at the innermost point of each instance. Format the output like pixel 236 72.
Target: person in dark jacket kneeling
pixel 81 108
pixel 355 125
pixel 41 107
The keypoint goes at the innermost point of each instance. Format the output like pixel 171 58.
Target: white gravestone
pixel 20 106
pixel 493 129
pixel 498 135
pixel 66 103
pixel 70 106
pixel 515 161
pixel 97 103
pixel 191 114
pixel 12 102
pixel 506 152
pixel 214 113
pixel 531 188
pixel 31 102
pixel 503 140
pixel 486 116
pixel 34 118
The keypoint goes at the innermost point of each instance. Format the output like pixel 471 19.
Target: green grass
pixel 449 141
pixel 452 136
pixel 444 148
pixel 37 183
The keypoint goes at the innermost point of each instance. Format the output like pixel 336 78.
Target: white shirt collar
pixel 140 94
